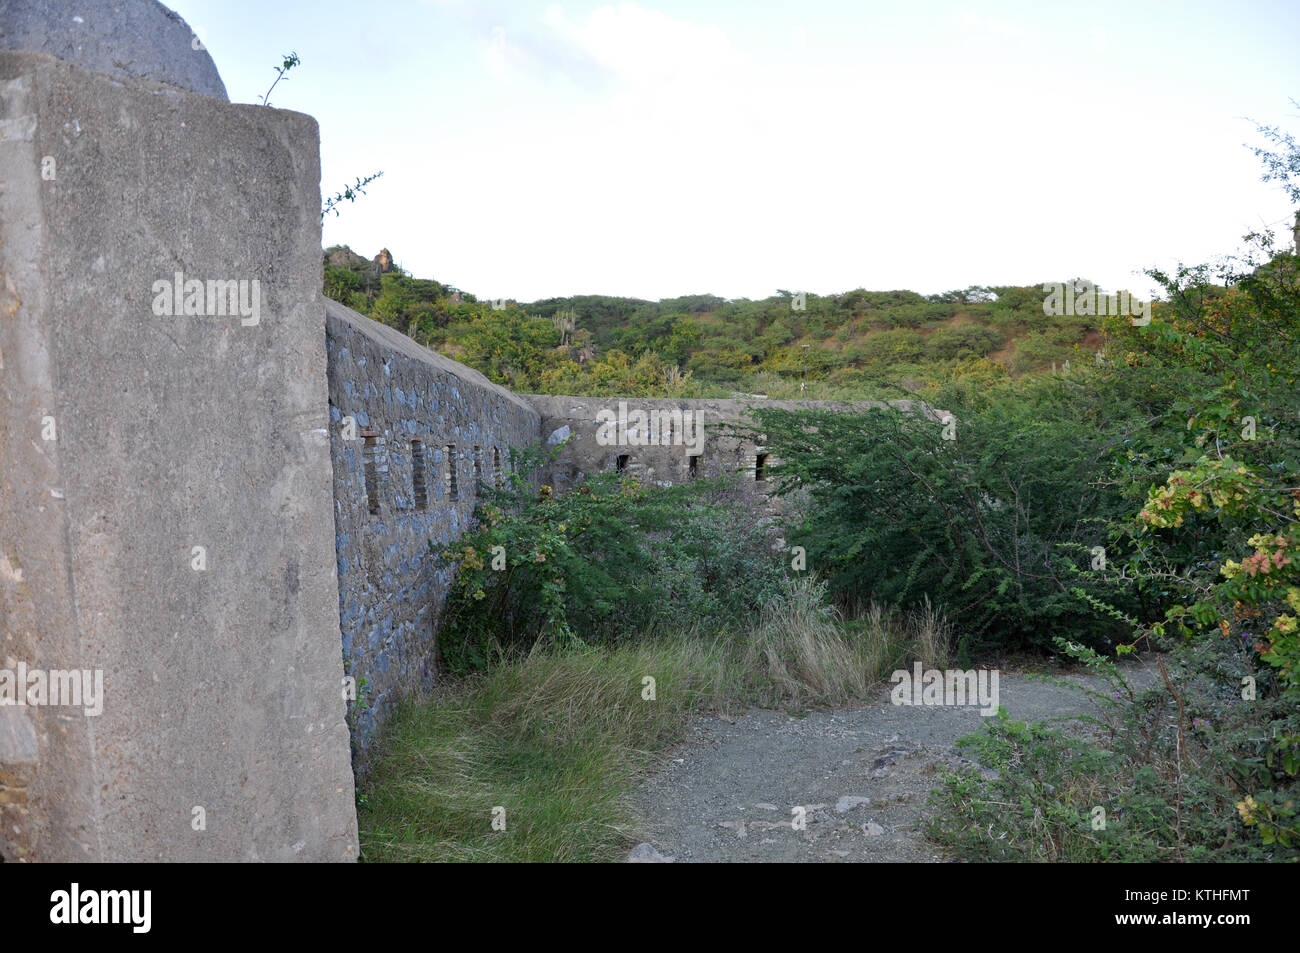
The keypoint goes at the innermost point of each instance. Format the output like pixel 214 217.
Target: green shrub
pixel 608 557
pixel 1157 776
pixel 968 341
pixel 997 525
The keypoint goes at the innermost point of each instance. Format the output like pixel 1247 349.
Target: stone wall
pixel 574 424
pixel 416 418
pixel 165 478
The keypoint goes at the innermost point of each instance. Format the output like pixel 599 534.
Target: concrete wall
pixel 223 683
pixel 407 406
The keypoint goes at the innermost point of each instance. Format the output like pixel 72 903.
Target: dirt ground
pixel 862 776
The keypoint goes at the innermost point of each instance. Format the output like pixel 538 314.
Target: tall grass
pixel 803 653
pixel 557 738
pixel 553 738
pixel 931 635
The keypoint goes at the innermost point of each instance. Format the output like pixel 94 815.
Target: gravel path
pixel 862 776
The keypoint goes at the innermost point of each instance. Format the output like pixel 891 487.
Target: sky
pixel 657 149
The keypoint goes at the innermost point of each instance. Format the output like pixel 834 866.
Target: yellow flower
pixel 1230 569
pixel 1285 624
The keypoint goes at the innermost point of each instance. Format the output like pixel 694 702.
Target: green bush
pixel 968 341
pixel 1040 349
pixel 998 525
pixel 607 559
pixel 1155 777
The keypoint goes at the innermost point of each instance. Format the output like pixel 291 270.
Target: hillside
pixel 857 344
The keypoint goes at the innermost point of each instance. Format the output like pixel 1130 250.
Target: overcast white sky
pixel 657 149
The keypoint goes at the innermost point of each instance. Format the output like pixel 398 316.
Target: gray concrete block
pixel 137 38
pixel 223 685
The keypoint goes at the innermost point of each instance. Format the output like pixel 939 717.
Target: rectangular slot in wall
pixel 371 451
pixel 760 467
pixel 453 488
pixel 419 489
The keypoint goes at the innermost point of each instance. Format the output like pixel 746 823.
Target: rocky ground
pixel 862 777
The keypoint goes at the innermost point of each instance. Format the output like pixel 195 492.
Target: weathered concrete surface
pixel 223 685
pixel 413 404
pixel 137 38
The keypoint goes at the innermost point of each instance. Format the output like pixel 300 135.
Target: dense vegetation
pixel 999 522
pixel 858 344
pixel 609 558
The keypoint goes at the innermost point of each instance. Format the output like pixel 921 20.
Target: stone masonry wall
pixel 573 424
pixel 393 493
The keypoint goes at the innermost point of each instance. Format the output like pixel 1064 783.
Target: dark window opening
pixel 693 466
pixel 760 467
pixel 419 488
pixel 453 490
pixel 620 463
pixel 370 467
